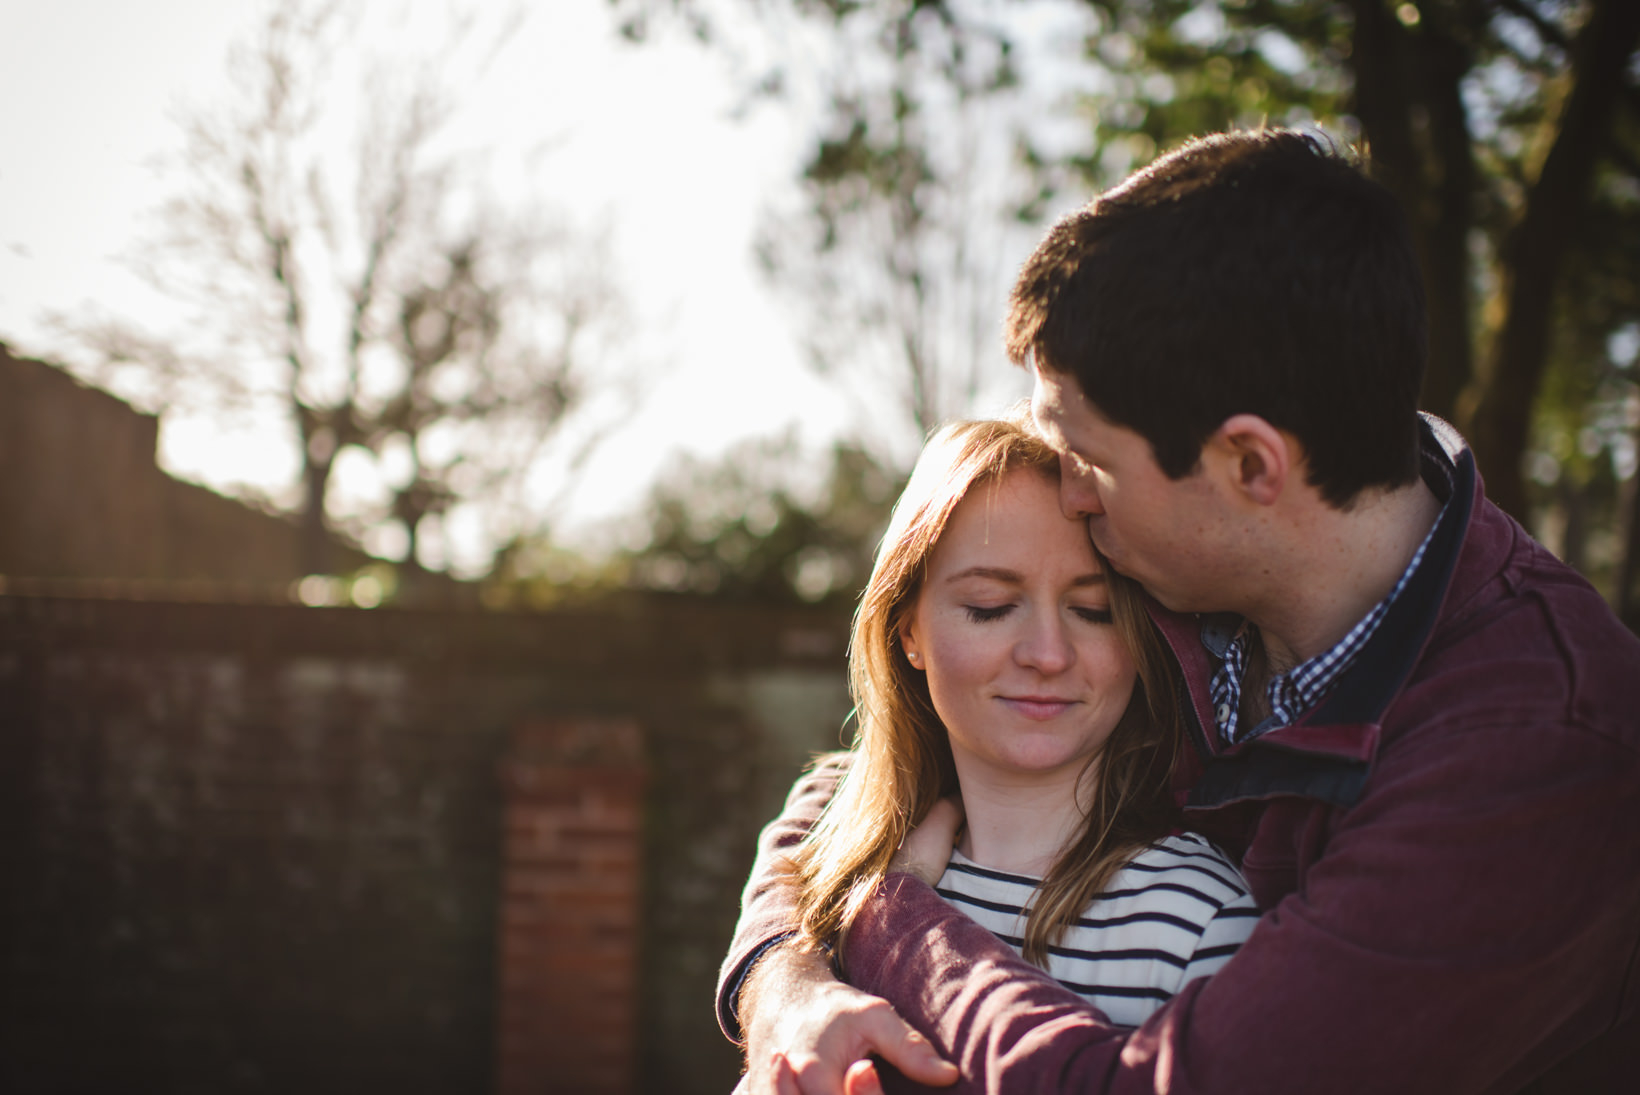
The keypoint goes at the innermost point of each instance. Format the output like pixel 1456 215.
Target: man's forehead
pixel 1050 399
pixel 1045 409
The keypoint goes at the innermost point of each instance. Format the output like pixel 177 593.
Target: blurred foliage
pixel 1509 129
pixel 897 244
pixel 740 527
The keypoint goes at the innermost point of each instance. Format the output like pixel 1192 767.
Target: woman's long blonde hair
pixel 902 759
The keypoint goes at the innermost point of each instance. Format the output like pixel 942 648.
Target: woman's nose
pixel 1046 647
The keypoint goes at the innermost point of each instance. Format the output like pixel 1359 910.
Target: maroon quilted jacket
pixel 1446 848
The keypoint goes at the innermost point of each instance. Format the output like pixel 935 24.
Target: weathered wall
pixel 258 848
pixel 81 497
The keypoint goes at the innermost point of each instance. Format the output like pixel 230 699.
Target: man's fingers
pixel 946 814
pixel 784 1076
pixel 807 1033
pixel 861 1079
pixel 927 848
pixel 901 1045
pixel 915 1056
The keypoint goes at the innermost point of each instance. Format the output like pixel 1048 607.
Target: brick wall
pixel 569 908
pixel 262 848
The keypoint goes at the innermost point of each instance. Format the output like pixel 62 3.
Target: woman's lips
pixel 1037 707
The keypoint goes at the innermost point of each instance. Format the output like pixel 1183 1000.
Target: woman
pixel 994 656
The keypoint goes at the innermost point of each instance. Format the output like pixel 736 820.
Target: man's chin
pixel 1115 563
pixel 1172 604
pixel 1104 550
pixel 1162 597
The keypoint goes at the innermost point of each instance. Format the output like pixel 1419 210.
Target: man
pixel 1416 728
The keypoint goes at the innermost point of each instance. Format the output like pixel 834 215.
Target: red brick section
pixel 569 908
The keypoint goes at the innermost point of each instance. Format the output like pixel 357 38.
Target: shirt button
pixel 1222 713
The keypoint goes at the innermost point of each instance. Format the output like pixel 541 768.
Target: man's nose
pixel 1078 497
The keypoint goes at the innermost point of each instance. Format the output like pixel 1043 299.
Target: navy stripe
pixel 1239 912
pixel 964 899
pixel 1206 853
pixel 1140 918
pixel 1153 868
pixel 1220 951
pixel 1191 926
pixel 1210 857
pixel 1149 868
pixel 1170 887
pixel 986 872
pixel 1138 954
pixel 1157 868
pixel 1126 991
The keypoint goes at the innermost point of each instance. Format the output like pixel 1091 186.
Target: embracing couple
pixel 1346 804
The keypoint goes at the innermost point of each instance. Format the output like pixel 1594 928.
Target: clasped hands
pixel 809 1034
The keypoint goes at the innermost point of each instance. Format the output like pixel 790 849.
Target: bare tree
pixel 360 284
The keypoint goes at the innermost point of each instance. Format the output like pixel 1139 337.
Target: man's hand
pixel 927 848
pixel 809 1034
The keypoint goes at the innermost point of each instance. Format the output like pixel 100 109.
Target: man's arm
pixel 1457 935
pixel 806 1031
pixel 768 906
pixel 803 1029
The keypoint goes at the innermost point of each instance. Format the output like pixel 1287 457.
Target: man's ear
pixel 1256 457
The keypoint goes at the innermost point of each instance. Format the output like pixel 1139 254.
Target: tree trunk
pixel 1417 134
pixel 1629 562
pixel 1574 538
pixel 1444 222
pixel 315 534
pixel 1500 422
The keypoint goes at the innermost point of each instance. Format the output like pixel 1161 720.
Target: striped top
pixel 1178 911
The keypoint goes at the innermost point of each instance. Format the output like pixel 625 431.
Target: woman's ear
pixel 1256 458
pixel 909 644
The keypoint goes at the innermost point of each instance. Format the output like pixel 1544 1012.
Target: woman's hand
pixel 927 848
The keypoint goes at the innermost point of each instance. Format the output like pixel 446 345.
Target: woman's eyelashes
pixel 980 614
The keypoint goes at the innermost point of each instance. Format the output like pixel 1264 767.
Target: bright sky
pixel 643 138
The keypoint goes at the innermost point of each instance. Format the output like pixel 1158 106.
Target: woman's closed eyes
pixel 980 614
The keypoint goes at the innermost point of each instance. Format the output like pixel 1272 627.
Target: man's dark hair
pixel 1252 272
